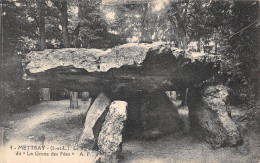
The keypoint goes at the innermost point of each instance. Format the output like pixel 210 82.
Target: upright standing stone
pixel 74 100
pixel 110 137
pixel 151 115
pixel 45 94
pixel 162 114
pixel 94 113
pixel 209 118
pixel 85 96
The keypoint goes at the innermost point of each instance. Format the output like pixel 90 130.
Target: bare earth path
pixel 62 126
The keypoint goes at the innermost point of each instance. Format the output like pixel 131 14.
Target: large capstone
pixel 90 59
pixel 110 136
pixel 94 114
pixel 125 68
pixel 209 118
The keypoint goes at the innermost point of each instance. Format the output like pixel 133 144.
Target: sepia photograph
pixel 129 81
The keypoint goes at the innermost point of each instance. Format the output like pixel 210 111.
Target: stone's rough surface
pixel 96 60
pixel 74 100
pixel 90 59
pixel 94 113
pixel 45 94
pixel 110 137
pixel 209 117
pixel 85 96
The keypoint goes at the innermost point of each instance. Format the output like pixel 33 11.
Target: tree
pixel 197 25
pixel 177 14
pixel 1 32
pixel 75 35
pixel 139 22
pixel 93 27
pixel 144 10
pixel 63 9
pixel 64 23
pixel 241 61
pixel 19 31
pixel 41 5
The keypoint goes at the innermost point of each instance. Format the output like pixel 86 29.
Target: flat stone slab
pixel 209 117
pixel 94 113
pixel 92 60
pixel 110 137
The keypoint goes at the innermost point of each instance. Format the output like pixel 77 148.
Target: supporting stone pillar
pixel 209 118
pixel 95 113
pixel 110 137
pixel 85 96
pixel 45 94
pixel 165 111
pixel 74 100
pixel 153 115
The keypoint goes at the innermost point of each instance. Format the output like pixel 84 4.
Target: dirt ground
pixel 62 127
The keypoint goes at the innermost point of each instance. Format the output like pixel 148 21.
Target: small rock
pixel 31 137
pixel 11 122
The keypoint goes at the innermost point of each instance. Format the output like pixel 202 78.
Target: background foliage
pixel 232 25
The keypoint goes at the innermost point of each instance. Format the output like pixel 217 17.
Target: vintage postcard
pixel 131 81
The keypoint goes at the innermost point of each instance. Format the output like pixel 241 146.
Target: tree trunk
pixel 45 94
pixel 85 96
pixel 41 25
pixel 64 24
pixel 80 7
pixel 77 40
pixel 2 57
pixel 143 24
pixel 184 42
pixel 198 45
pixel 2 36
pixel 74 100
pixel 216 47
pixel 181 27
pixel 186 96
